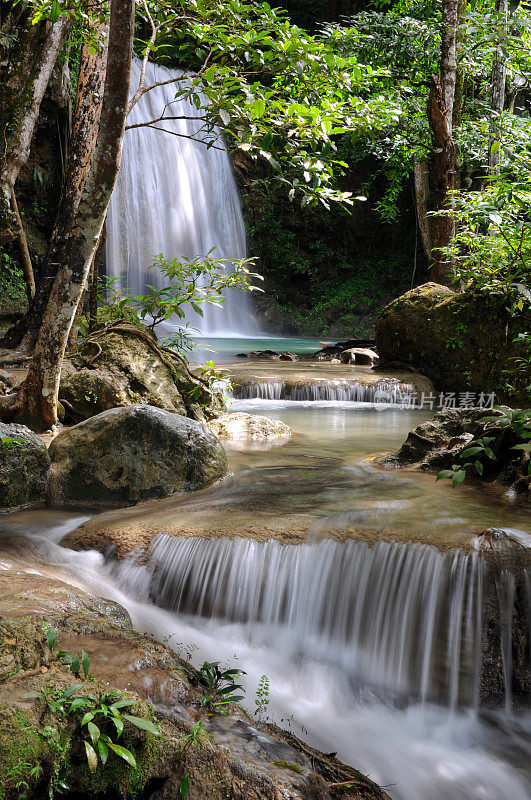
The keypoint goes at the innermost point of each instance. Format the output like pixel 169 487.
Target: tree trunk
pixel 422 192
pixel 449 55
pixel 497 97
pixel 24 76
pixel 443 167
pixel 89 93
pixel 25 258
pixel 38 401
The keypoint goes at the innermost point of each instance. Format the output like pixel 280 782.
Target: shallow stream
pixel 361 643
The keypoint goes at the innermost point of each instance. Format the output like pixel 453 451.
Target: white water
pixel 336 391
pixel 176 197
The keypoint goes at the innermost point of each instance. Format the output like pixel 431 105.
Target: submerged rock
pixel 24 466
pixel 125 455
pixel 239 425
pixel 122 366
pixel 438 443
pixel 459 340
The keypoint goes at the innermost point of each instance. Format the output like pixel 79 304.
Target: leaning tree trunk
pixel 38 400
pixel 25 71
pixel 89 94
pixel 443 167
pixel 497 97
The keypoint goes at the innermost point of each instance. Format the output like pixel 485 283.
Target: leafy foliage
pixel 220 686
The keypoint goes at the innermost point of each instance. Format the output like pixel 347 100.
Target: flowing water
pixel 371 645
pixel 176 197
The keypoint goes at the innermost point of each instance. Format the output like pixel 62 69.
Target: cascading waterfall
pixel 331 390
pixel 176 197
pixel 404 617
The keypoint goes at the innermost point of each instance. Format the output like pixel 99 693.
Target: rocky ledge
pixel 181 748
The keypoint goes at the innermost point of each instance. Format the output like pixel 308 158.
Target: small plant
pixel 8 441
pixel 107 709
pixel 198 736
pixel 184 786
pixel 220 686
pixel 262 697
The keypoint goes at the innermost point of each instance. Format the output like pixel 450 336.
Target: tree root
pixel 123 326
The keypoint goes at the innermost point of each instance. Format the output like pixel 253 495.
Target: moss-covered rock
pixel 125 455
pixel 24 466
pixel 437 444
pixel 122 366
pixel 462 341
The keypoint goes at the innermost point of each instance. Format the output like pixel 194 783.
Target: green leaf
pixel 525 446
pixel 92 758
pixel 444 473
pixel 55 11
pixel 88 717
pixel 458 477
pixel 94 732
pixel 124 753
pixel 184 786
pixel 144 724
pixel 103 751
pixel 72 690
pixel 471 451
pixel 119 725
pixel 85 661
pixel 51 637
pixel 479 467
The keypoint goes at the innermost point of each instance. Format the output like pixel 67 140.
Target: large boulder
pixel 125 365
pixel 24 466
pixel 459 340
pixel 125 455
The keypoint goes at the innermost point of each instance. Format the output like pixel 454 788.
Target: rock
pixel 285 356
pixel 241 759
pixel 459 340
pixel 358 355
pixel 24 466
pixel 249 427
pixel 437 444
pixel 260 355
pixel 331 350
pixel 125 455
pixel 121 367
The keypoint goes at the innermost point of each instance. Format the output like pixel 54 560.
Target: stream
pixel 367 630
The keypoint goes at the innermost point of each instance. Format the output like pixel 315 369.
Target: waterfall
pixel 382 392
pixel 403 617
pixel 176 197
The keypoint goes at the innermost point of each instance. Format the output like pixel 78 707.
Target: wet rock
pixel 438 443
pixel 260 355
pixel 125 455
pixel 24 466
pixel 120 367
pixel 459 340
pixel 239 425
pixel 358 355
pixel 285 356
pixel 241 759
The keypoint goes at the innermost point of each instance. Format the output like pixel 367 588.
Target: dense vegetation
pixel 372 144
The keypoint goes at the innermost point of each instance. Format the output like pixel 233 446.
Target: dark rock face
pixel 122 367
pixel 437 444
pixel 460 341
pixel 125 455
pixel 24 466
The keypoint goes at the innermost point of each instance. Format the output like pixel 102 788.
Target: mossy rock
pixel 24 467
pixel 123 367
pixel 126 455
pixel 462 341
